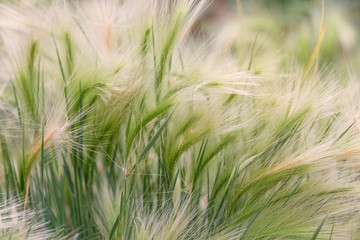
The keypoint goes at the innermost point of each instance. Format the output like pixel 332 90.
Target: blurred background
pixel 288 28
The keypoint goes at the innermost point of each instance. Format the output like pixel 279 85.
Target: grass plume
pixel 117 122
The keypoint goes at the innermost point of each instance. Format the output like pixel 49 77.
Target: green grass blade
pixel 318 229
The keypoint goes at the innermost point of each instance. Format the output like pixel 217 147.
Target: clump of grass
pixel 19 224
pixel 118 124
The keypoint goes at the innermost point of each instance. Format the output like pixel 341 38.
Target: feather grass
pixel 119 124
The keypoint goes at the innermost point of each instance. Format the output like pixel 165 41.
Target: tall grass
pixel 118 124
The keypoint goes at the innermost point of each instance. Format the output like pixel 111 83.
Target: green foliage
pixel 118 124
